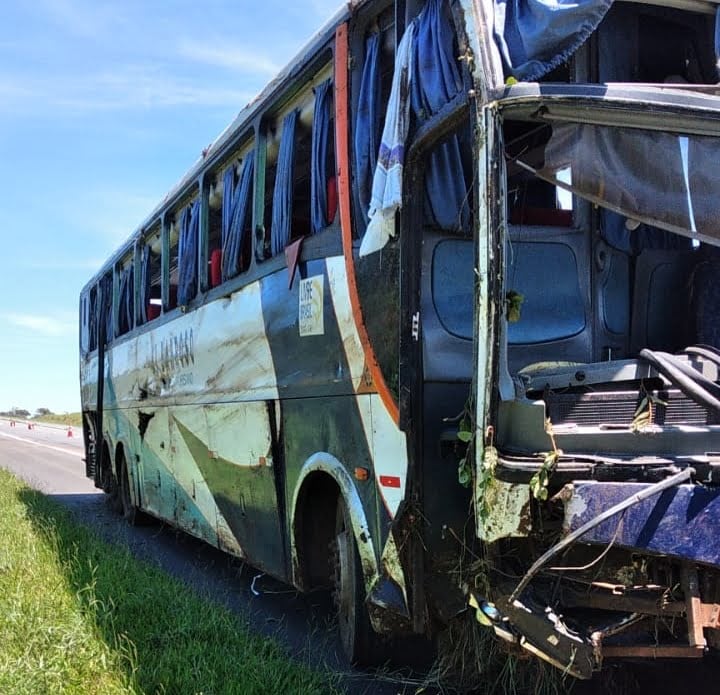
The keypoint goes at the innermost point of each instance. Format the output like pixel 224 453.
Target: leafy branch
pixel 644 416
pixel 539 481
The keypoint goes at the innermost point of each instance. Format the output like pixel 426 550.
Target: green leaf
pixel 513 304
pixel 464 436
pixel 464 473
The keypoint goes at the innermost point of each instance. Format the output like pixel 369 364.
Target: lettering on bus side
pixel 173 353
pixel 310 306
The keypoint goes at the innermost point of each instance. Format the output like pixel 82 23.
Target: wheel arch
pixel 324 475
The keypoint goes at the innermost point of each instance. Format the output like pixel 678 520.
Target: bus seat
pixel 215 267
pixel 661 300
pixel 705 298
pixel 546 217
pixel 332 198
pixel 152 311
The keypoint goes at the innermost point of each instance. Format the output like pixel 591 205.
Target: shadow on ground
pixel 302 623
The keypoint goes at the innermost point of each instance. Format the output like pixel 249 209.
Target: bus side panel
pixel 317 376
pixel 223 453
pixel 330 425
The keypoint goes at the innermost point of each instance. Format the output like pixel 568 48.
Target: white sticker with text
pixel 310 310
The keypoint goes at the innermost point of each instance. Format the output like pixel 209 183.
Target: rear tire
pixel 110 486
pixel 359 641
pixel 130 511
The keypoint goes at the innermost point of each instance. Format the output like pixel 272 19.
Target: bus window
pixel 84 319
pixel 641 43
pixel 92 320
pixel 106 309
pixel 285 188
pixel 301 161
pixel 150 302
pixel 236 220
pixel 374 90
pixel 184 238
pixel 188 241
pixel 126 296
pixel 214 194
pixel 324 183
pixel 531 200
pixel 173 232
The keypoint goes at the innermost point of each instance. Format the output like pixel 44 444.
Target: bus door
pixel 446 256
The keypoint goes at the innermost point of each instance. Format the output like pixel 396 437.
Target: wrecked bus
pixel 433 324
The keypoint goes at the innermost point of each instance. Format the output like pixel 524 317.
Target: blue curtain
pixel 188 253
pixel 127 292
pixel 438 81
pixel 107 297
pixel 535 36
pixel 717 40
pixel 144 283
pixel 438 78
pixel 320 147
pixel 282 194
pixel 236 204
pixel 367 122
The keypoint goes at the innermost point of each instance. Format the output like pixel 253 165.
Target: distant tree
pixel 42 412
pixel 20 412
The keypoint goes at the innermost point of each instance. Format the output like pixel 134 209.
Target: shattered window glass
pixel 663 179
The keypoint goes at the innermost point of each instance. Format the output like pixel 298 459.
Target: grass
pixel 78 615
pixel 74 419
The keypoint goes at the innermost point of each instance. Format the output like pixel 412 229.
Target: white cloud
pixel 62 263
pixel 86 20
pixel 129 88
pixel 226 56
pixel 42 324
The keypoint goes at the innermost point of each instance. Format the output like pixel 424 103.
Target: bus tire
pixel 359 641
pixel 111 488
pixel 130 511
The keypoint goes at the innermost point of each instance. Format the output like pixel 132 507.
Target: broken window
pixel 640 43
pixel 150 298
pixel 183 242
pixel 282 202
pixel 237 216
pixel 300 186
pixel 188 253
pixel 106 309
pixel 323 188
pixel 214 197
pixel 126 296
pixel 664 180
pixel 374 91
pixel 85 320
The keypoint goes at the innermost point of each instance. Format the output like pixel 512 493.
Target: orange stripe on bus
pixel 343 164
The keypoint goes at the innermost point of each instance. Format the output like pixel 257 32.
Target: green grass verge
pixel 74 419
pixel 78 615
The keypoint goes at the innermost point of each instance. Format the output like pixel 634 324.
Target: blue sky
pixel 103 107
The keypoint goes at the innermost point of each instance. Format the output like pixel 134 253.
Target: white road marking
pixel 77 454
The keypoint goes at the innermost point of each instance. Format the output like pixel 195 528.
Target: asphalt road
pixel 50 461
